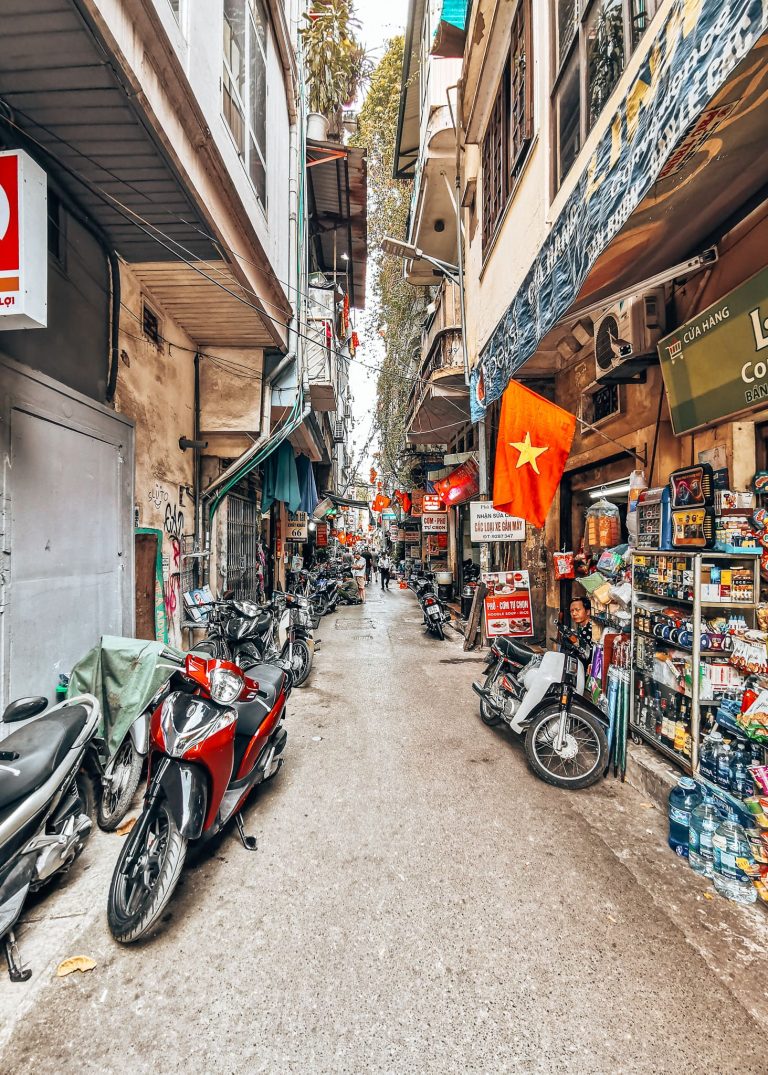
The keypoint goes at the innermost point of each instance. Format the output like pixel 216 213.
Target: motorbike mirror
pixel 24 708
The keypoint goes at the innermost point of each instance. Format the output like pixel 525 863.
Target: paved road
pixel 419 903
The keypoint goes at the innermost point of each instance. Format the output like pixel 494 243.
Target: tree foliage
pixel 399 307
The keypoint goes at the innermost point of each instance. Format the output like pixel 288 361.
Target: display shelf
pixel 691 570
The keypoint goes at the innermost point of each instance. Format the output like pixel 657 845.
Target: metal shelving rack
pixel 693 611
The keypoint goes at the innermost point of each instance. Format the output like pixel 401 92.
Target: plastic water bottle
pixel 705 819
pixel 723 766
pixel 708 759
pixel 740 780
pixel 682 800
pixel 729 846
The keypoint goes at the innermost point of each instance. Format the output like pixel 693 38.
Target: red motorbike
pixel 215 733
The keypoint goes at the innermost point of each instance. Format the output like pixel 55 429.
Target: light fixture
pixel 616 488
pixel 397 248
pixel 312 525
pixel 344 257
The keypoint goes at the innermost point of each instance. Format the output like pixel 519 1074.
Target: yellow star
pixel 528 454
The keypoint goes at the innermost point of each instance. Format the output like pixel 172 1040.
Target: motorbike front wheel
pixel 301 664
pixel 488 714
pixel 139 892
pixel 580 761
pixel 118 789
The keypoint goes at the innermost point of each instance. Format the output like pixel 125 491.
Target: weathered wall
pixel 155 388
pixel 230 398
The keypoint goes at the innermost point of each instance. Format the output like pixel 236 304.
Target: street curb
pixel 650 774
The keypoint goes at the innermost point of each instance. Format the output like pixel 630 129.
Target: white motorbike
pixel 541 697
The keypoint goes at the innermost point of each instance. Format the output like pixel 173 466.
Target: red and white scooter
pixel 215 733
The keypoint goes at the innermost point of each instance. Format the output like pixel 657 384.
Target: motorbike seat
pixel 514 650
pixel 270 680
pixel 31 754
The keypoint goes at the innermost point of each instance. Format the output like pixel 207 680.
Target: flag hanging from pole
pixel 532 448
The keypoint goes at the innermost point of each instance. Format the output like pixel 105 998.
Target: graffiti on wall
pixel 173 525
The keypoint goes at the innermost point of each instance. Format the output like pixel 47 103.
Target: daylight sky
pixel 380 19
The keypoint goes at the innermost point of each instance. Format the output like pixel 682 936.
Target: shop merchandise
pixel 683 799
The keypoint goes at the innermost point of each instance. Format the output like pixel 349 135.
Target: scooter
pixel 46 803
pixel 541 697
pixel 277 633
pixel 214 736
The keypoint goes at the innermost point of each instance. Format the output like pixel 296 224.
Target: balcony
pixel 433 213
pixel 320 351
pixel 440 400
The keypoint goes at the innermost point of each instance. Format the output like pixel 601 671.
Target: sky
pixel 380 20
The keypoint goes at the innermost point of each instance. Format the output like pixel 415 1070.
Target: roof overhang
pixel 337 177
pixel 409 114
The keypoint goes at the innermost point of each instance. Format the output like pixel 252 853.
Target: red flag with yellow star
pixel 532 448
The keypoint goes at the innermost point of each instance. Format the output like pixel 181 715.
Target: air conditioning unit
pixel 626 335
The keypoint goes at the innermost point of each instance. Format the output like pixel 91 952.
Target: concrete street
pixel 419 903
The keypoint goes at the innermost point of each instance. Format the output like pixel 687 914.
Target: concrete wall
pixel 74 348
pixel 230 398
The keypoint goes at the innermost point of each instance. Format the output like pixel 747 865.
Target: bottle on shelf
pixel 730 846
pixel 658 720
pixel 740 782
pixel 723 767
pixel 683 798
pixel 705 819
pixel 710 748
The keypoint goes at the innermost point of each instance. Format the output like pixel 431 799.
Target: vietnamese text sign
pixel 23 242
pixel 716 364
pixel 691 55
pixel 296 526
pixel 321 535
pixel 487 524
pixel 434 524
pixel 508 609
pixel 432 504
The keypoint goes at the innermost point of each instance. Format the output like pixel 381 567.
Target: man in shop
pixel 581 624
pixel 385 566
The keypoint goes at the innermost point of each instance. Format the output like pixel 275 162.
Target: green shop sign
pixel 716 365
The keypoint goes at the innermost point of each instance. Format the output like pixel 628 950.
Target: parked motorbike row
pixel 211 731
pixel 327 587
pixel 435 613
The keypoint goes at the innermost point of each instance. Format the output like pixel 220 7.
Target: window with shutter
pixel 494 161
pixel 521 85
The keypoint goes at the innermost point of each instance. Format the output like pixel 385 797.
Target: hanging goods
pixel 564 565
pixel 654 520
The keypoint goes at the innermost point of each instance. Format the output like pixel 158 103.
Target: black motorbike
pixel 434 611
pixel 46 803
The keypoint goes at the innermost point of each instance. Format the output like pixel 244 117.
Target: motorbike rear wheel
pixel 583 758
pixel 437 627
pixel 117 792
pixel 139 893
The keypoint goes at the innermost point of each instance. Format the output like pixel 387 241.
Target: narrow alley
pixel 419 902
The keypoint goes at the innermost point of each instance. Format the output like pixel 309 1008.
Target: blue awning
pixel 281 479
pixel 448 42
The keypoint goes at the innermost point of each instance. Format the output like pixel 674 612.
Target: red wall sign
pixel 23 242
pixel 10 251
pixel 431 504
pixel 508 604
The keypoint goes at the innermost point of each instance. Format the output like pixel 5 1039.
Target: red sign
pixel 10 251
pixel 417 497
pixel 508 604
pixel 321 534
pixel 431 504
pixel 461 484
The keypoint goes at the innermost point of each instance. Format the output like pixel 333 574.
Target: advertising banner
pixel 461 484
pixel 508 607
pixel 23 242
pixel 686 62
pixel 487 524
pixel 296 526
pixel 417 500
pixel 716 364
pixel 434 524
pixel 432 504
pixel 321 535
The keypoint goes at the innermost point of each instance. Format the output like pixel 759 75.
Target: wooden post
pixel 475 616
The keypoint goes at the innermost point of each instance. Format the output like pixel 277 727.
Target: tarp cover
pixel 123 674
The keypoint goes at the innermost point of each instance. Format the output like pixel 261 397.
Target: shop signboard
pixel 401 534
pixel 23 242
pixel 321 535
pixel 417 501
pixel 686 60
pixel 716 364
pixel 436 544
pixel 434 524
pixel 461 484
pixel 487 524
pixel 508 605
pixel 389 515
pixel 296 526
pixel 432 504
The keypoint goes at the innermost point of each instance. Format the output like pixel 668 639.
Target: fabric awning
pixel 306 484
pixel 281 479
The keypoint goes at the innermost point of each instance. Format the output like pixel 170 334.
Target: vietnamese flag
pixel 532 448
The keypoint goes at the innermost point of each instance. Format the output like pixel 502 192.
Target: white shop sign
pixel 434 524
pixel 487 524
pixel 23 242
pixel 296 526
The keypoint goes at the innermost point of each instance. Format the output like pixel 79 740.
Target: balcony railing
pixel 441 344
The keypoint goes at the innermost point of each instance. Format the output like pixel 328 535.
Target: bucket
pixel 403 584
pixel 444 578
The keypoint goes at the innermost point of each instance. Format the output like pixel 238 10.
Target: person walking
pixel 375 565
pixel 385 566
pixel 358 574
pixel 368 557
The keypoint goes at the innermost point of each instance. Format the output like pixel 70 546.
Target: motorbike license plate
pixel 433 611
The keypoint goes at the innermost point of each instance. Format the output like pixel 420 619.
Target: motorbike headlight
pixel 247 608
pixel 225 685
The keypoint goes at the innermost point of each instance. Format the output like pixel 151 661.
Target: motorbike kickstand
pixel 17 972
pixel 250 843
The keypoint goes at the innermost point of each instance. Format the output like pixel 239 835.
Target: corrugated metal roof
pixel 338 200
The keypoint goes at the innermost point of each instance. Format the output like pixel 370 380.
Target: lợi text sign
pixel 23 242
pixel 487 524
